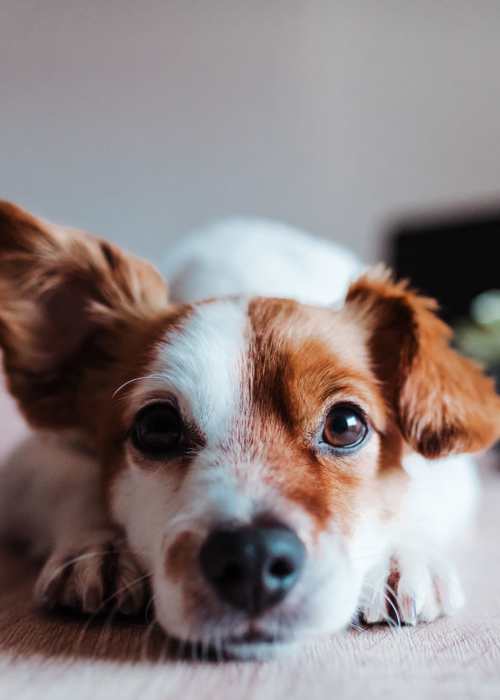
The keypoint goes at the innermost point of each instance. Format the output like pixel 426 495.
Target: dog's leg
pixel 417 581
pixel 50 498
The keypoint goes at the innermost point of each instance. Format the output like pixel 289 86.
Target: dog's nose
pixel 252 568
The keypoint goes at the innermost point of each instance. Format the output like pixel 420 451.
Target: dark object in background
pixel 452 259
pixel 456 260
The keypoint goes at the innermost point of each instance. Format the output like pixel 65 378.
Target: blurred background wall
pixel 140 120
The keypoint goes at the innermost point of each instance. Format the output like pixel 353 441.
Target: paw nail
pixel 409 610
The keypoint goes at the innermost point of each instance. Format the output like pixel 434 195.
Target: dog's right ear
pixel 443 402
pixel 65 296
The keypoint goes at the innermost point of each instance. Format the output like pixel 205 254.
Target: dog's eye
pixel 344 427
pixel 157 430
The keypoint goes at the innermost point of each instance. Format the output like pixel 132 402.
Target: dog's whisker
pixel 146 638
pixel 146 377
pixel 68 563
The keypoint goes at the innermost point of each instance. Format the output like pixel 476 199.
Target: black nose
pixel 252 568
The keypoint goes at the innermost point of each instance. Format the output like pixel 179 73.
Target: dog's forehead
pixel 227 355
pixel 293 330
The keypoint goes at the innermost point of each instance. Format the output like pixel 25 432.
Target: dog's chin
pixel 256 649
pixel 259 651
pixel 256 646
pixel 251 646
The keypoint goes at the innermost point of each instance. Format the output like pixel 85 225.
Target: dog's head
pixel 250 448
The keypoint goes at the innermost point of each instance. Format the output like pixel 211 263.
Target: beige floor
pixel 52 657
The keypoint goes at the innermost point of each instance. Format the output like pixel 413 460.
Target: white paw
pixel 410 589
pixel 96 574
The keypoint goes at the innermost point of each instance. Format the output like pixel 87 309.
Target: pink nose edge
pixel 12 425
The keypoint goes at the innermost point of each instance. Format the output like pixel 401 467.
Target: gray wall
pixel 141 119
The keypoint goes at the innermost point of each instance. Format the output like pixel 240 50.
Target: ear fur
pixel 65 296
pixel 443 401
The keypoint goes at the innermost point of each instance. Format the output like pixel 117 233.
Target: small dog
pixel 269 464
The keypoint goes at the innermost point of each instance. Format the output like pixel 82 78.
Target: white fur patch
pixel 201 364
pixel 257 257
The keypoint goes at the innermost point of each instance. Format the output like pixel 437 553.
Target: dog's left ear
pixel 443 402
pixel 66 301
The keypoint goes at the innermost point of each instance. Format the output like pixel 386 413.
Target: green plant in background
pixel 479 335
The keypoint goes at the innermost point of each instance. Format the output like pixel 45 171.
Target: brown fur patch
pixel 181 566
pixel 68 302
pixel 297 371
pixel 181 555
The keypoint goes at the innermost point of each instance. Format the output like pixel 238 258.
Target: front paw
pixel 92 575
pixel 410 589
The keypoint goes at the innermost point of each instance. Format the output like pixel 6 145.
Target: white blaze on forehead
pixel 202 363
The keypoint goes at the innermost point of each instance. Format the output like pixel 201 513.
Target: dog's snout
pixel 252 568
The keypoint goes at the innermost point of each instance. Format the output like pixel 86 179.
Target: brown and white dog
pixel 271 466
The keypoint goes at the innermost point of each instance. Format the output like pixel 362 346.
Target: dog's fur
pixel 90 336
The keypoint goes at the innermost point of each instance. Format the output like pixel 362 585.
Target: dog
pixel 271 446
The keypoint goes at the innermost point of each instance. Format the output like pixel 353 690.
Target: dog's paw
pixel 92 576
pixel 410 589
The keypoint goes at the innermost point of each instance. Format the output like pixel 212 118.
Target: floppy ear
pixel 443 402
pixel 65 297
